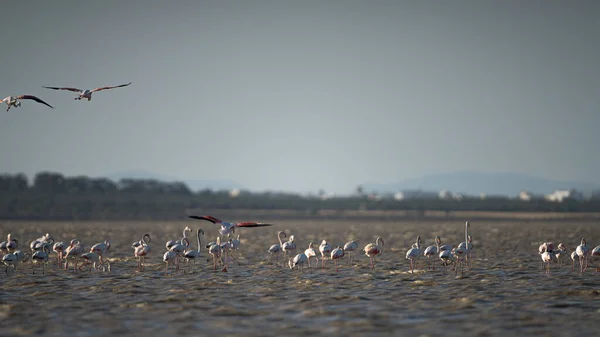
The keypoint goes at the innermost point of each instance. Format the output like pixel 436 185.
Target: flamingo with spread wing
pixel 228 227
pixel 87 93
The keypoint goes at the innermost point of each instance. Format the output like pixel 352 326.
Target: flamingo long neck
pixel 199 240
pixel 467 234
pixel 279 237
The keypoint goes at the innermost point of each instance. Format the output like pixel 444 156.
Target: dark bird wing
pixel 60 88
pixel 35 99
pixel 205 217
pixel 111 87
pixel 252 224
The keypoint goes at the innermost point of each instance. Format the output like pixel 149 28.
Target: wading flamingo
pixel 325 250
pixel 288 246
pixel 350 247
pixel 432 251
pixel 413 254
pixel 193 254
pixel 374 249
pixel 336 255
pixel 275 249
pixel 582 251
pixel 546 259
pixel 142 250
pixel 310 252
pixel 298 261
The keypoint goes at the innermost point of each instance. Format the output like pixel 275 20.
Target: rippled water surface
pixel 504 291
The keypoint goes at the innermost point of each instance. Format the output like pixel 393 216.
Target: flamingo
pixel 288 246
pixel 413 254
pixel 75 249
pixel 350 247
pixel 193 254
pixel 310 252
pixel 142 250
pixel 595 252
pixel 546 259
pixel 582 251
pixel 86 93
pixel 172 243
pixel 235 244
pixel 101 249
pixel 59 249
pixel 41 256
pixel 374 249
pixel 11 243
pixel 573 257
pixel 298 261
pixel 325 250
pixel 38 243
pixel 432 251
pixel 276 248
pixel 215 252
pixel 560 252
pixel 13 101
pixel 465 246
pixel 170 257
pixel 443 247
pixel 94 260
pixel 546 247
pixel 10 260
pixel 179 249
pixel 445 256
pixel 227 247
pixel 228 227
pixel 337 254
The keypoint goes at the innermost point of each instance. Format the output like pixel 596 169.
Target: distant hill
pixel 474 183
pixel 194 185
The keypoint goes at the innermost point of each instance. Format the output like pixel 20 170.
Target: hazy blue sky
pixel 302 95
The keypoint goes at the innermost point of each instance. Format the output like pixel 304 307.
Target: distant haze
pixel 303 95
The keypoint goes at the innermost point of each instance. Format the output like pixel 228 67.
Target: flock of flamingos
pixel 222 252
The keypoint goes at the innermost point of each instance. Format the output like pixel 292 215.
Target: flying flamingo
pixel 86 93
pixel 13 101
pixel 337 254
pixel 310 252
pixel 374 249
pixel 325 250
pixel 142 250
pixel 413 254
pixel 193 254
pixel 350 247
pixel 582 251
pixel 288 246
pixel 228 227
pixel 432 251
pixel 275 249
pixel 298 261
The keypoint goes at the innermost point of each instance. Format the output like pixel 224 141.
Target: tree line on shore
pixel 52 196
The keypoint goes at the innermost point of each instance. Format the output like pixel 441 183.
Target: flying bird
pixel 13 101
pixel 87 93
pixel 228 227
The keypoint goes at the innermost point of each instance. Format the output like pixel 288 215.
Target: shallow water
pixel 504 290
